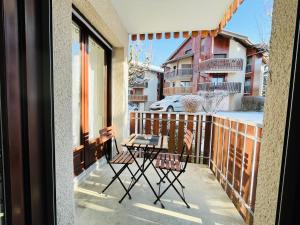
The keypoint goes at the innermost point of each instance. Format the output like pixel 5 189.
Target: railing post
pixel 207 137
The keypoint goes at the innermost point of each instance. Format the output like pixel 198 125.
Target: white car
pixel 168 104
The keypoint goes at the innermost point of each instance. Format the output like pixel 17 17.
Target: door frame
pixel 27 111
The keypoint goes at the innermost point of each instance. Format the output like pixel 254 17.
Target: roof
pixel 244 40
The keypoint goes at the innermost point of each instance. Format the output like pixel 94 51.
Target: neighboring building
pixel 227 62
pixel 146 90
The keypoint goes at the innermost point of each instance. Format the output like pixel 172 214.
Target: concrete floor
pixel 209 203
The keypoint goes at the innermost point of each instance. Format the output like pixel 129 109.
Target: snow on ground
pixel 256 117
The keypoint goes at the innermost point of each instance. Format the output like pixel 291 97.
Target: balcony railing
pixel 140 85
pixel 229 87
pixel 221 65
pixel 137 98
pixel 177 90
pixel 230 147
pixel 179 74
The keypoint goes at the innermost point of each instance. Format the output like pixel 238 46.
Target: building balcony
pixel 177 90
pixel 179 74
pixel 225 65
pixel 220 178
pixel 140 85
pixel 137 98
pixel 229 87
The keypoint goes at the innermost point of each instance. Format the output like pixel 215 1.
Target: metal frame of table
pixel 149 149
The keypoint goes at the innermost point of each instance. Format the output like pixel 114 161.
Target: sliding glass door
pixel 91 59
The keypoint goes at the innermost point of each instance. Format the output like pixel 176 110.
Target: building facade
pixel 146 90
pixel 228 62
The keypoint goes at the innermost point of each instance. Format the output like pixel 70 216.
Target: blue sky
pixel 252 19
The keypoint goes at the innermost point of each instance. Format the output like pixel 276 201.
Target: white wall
pixel 236 50
pixel 151 90
pixel 103 17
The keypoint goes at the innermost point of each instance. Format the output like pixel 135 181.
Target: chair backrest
pixel 188 140
pixel 107 134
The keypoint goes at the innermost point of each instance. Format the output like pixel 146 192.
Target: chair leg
pixel 172 184
pixel 182 186
pixel 117 174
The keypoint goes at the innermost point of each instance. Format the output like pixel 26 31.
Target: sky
pixel 252 19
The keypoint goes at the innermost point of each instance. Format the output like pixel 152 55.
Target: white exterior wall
pixel 258 77
pixel 233 101
pixel 151 90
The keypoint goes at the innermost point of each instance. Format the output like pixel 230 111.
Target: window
pixel 76 84
pixel 202 44
pixel 89 84
pixel 97 88
pixel 247 86
pixel 186 66
pixel 218 79
pixel 185 84
pixel 249 64
pixel 220 56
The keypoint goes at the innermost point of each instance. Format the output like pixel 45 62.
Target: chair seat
pixel 168 161
pixel 124 158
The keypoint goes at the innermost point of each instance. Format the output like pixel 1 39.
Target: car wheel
pixel 170 109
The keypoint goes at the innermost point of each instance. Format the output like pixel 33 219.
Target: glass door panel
pixel 97 88
pixel 76 85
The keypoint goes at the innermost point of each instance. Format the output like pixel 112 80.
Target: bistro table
pixel 151 146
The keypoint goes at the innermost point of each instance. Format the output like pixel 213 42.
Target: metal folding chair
pixel 173 163
pixel 124 158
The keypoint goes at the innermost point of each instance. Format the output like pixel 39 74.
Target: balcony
pixel 177 90
pixel 140 85
pixel 137 98
pixel 179 74
pixel 225 65
pixel 224 160
pixel 229 87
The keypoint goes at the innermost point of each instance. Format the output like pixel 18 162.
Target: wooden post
pixel 207 137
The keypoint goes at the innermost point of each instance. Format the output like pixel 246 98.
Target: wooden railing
pixel 234 158
pixel 137 98
pixel 173 125
pixel 179 74
pixel 226 65
pixel 230 147
pixel 177 90
pixel 230 87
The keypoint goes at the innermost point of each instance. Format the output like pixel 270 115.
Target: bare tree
pixel 138 63
pixel 210 100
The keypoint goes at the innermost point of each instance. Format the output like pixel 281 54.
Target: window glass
pixel 97 90
pixel 76 85
pixel 247 86
pixel 218 79
pixel 220 56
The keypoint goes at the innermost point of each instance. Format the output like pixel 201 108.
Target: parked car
pixel 168 104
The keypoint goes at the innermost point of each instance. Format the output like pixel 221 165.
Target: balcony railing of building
pixel 229 87
pixel 140 85
pixel 229 147
pixel 221 65
pixel 177 90
pixel 179 74
pixel 137 98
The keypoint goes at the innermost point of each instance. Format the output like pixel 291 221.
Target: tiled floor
pixel 209 203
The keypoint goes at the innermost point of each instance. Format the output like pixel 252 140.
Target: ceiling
pixel 156 16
